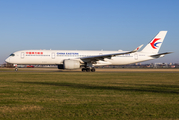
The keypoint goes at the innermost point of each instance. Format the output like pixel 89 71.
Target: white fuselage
pixel 57 57
pixel 73 59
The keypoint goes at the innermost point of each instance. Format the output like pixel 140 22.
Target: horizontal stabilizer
pixel 160 54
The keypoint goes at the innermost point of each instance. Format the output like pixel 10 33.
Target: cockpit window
pixel 12 54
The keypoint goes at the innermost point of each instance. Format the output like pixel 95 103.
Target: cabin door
pixel 22 55
pixel 53 55
pixel 136 56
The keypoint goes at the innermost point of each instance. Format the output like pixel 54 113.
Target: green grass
pixel 100 95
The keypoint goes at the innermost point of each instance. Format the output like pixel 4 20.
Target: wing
pixel 102 57
pixel 160 54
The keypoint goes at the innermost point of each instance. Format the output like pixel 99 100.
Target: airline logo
pixel 154 43
pixel 67 53
pixel 34 53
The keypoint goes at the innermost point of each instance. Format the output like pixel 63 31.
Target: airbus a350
pixel 87 60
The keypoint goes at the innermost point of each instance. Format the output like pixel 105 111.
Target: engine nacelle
pixel 71 64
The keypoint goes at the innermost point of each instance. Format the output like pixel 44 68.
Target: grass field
pixel 100 95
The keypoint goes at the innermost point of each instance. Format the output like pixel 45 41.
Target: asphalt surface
pixel 79 70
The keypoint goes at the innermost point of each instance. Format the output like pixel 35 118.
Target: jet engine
pixel 69 64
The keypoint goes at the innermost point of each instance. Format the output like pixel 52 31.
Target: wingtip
pixel 138 48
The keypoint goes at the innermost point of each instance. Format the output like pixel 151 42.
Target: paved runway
pixel 79 70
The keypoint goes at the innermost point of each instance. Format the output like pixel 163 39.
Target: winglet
pixel 137 48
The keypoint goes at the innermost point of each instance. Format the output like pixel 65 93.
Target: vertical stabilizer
pixel 156 43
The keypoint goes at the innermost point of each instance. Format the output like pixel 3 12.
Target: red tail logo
pixel 154 44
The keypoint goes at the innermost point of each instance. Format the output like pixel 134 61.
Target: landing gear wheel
pixel 83 69
pixel 93 70
pixel 16 69
pixel 87 69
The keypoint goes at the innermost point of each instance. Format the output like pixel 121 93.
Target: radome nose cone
pixel 7 60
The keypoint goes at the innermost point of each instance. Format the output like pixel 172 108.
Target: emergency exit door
pixel 53 55
pixel 136 56
pixel 22 55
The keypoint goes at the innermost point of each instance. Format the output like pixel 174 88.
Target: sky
pixel 88 25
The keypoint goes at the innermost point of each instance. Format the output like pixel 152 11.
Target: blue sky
pixel 88 25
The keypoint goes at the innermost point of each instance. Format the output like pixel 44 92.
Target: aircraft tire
pixel 87 69
pixel 16 69
pixel 83 70
pixel 92 70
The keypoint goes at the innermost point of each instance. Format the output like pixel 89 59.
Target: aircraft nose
pixel 7 60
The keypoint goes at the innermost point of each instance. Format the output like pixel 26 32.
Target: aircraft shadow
pixel 140 88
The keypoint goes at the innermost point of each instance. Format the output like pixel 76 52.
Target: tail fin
pixel 156 43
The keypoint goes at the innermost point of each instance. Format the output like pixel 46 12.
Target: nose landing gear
pixel 16 69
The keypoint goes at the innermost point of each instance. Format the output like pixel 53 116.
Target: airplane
pixel 87 60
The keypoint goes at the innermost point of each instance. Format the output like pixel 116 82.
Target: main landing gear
pixel 88 70
pixel 88 67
